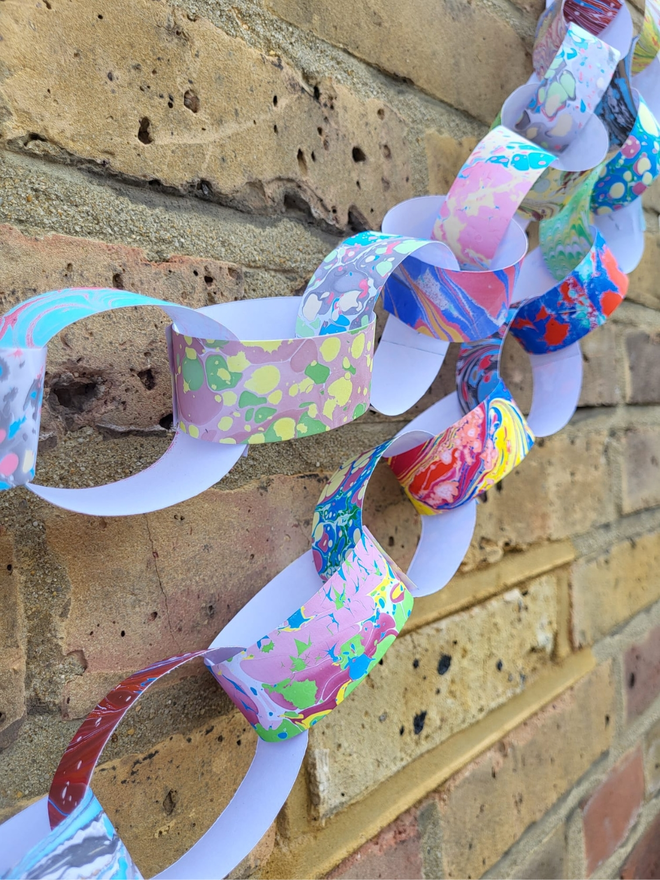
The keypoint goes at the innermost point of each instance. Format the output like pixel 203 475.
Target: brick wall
pixel 203 152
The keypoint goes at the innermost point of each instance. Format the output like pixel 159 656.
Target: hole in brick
pixel 317 93
pixel 607 721
pixel 275 129
pixel 320 131
pixel 191 101
pixel 274 100
pixel 381 113
pixel 144 134
pixel 402 730
pixel 358 154
pixel 147 379
pixel 418 722
pixel 205 188
pixel 357 222
pixel 100 17
pixel 302 162
pixel 153 615
pixel 74 395
pixel 387 152
pixel 211 610
pixel 499 665
pixel 293 201
pixel 3 715
pixel 631 680
pixel 122 633
pixel 111 75
pixel 415 663
pixel 169 803
pixel 118 281
pixel 443 664
pixel 167 421
pixel 313 155
pixel 209 279
pixel 10 568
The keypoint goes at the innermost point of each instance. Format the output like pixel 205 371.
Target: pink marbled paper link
pixel 486 194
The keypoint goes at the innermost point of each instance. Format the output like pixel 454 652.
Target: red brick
pixel 394 853
pixel 643 862
pixel 610 812
pixel 642 670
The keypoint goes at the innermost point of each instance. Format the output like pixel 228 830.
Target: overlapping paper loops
pixel 575 147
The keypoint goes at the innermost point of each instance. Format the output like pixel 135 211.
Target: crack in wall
pixel 154 555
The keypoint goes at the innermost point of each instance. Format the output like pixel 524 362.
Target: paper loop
pixel 27 328
pixel 568 92
pixel 272 389
pixel 295 675
pixel 597 17
pixel 502 168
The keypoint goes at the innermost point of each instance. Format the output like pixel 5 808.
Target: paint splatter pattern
pixel 569 91
pixel 501 169
pixel 576 306
pixel 297 674
pixel 263 392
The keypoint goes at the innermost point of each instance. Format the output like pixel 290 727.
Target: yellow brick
pixel 438 48
pixel 434 682
pixel 161 802
pixel 149 93
pixel 487 806
pixel 614 586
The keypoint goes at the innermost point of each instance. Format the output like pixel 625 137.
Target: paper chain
pixel 575 148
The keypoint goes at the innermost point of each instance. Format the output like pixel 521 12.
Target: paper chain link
pixel 575 147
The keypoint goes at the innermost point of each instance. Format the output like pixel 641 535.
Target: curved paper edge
pixel 557 386
pixel 443 543
pixel 23 831
pixel 248 816
pixel 623 230
pixel 188 468
pixel 619 33
pixel 405 364
pixel 587 150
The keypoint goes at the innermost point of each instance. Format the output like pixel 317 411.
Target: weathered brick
pixel 642 674
pixel 643 287
pixel 610 812
pixel 600 382
pixel 163 801
pixel 12 646
pixel 110 369
pixel 562 488
pixel 432 683
pixel 445 156
pixel 154 94
pixel 644 858
pixel 652 758
pixel 548 860
pixel 395 852
pixel 600 374
pixel 641 469
pixel 611 588
pixel 154 585
pixel 438 52
pixel 643 367
pixel 487 806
